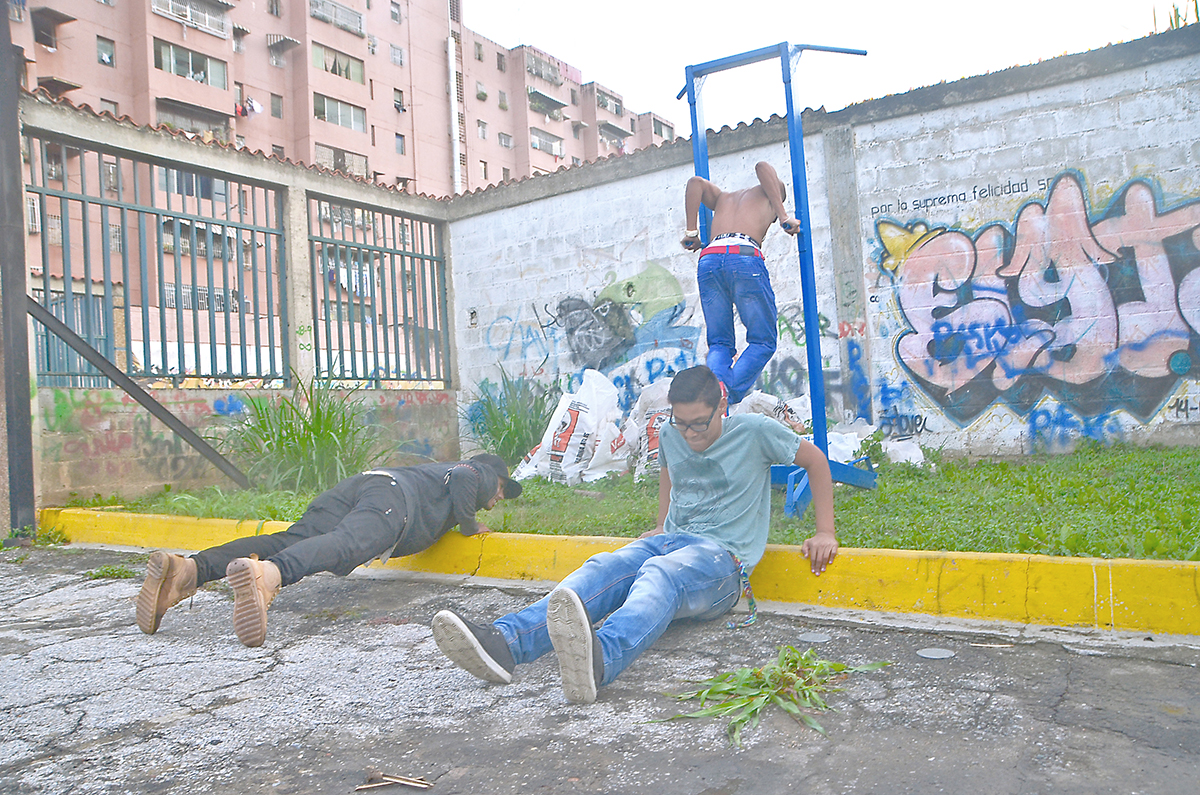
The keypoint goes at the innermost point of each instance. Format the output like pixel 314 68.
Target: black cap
pixel 495 463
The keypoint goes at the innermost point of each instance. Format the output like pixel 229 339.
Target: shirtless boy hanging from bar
pixel 732 273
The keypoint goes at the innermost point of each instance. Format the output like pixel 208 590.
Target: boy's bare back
pixel 747 211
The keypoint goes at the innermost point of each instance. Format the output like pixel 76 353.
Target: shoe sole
pixel 571 635
pixel 157 568
pixel 249 612
pixel 459 644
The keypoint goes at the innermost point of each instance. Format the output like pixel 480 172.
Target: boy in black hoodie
pixel 379 513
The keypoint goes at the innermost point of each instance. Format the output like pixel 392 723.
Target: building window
pixel 456 11
pixel 399 144
pixel 575 161
pixel 193 65
pixel 501 65
pixel 398 99
pixel 239 92
pixel 277 150
pixel 341 160
pixel 505 140
pixel 337 63
pixel 545 142
pixel 200 14
pixel 395 12
pixel 276 58
pixel 111 107
pixel 337 15
pixel 575 131
pixel 506 174
pixel 397 55
pixel 341 113
pixel 481 125
pixel 663 130
pixel 275 8
pixel 480 92
pixel 609 103
pixel 483 173
pixel 106 51
pixel 240 142
pixel 239 43
pixel 478 51
pixel 632 124
pixel 107 2
pixel 574 97
pixel 45 29
pixel 193 121
pixel 277 106
pixel 503 97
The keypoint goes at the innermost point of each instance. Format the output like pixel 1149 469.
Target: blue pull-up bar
pixel 808 289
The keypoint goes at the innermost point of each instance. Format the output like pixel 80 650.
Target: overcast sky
pixel 640 50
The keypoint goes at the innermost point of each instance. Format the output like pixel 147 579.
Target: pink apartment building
pixel 397 91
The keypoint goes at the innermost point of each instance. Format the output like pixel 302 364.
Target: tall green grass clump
pixel 510 418
pixel 306 443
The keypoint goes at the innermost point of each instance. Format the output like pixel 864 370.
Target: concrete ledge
pixel 1131 595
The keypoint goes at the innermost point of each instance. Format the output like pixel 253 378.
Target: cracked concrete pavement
pixel 350 679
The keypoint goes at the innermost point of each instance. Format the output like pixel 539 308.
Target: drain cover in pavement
pixel 814 637
pixel 935 654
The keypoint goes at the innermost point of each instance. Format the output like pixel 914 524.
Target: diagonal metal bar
pixel 134 390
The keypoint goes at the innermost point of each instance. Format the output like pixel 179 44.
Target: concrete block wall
pixel 1006 263
pixel 100 441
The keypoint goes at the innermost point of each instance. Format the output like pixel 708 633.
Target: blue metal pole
pixel 699 145
pixel 808 281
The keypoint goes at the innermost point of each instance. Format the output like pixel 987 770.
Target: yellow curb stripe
pixel 1132 595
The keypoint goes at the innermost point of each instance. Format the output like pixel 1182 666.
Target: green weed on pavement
pixel 797 682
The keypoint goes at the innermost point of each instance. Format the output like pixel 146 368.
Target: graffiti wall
pixel 1079 321
pixel 1004 264
pixel 101 441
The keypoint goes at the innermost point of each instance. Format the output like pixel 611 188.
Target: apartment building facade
pixel 396 91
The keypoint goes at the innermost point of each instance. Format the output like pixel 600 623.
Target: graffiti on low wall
pixel 1097 308
pixel 635 330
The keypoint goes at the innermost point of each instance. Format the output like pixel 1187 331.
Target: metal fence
pixel 165 269
pixel 379 295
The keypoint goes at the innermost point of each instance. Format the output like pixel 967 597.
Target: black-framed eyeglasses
pixel 695 427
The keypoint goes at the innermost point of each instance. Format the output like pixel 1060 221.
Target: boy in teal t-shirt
pixel 713 515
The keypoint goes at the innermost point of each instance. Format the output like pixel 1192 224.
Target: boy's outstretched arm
pixel 822 548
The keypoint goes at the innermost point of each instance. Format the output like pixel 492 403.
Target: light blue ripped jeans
pixel 641 588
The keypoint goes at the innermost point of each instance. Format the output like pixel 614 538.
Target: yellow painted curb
pixel 1133 595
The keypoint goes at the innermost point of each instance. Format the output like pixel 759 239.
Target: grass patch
pixel 1119 501
pixel 796 682
pixel 112 572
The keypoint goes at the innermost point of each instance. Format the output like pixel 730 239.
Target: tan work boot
pixel 170 579
pixel 254 583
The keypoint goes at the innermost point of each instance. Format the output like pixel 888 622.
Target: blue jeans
pixel 641 588
pixel 741 280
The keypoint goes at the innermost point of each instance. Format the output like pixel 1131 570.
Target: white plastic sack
pixel 612 453
pixel 904 451
pixel 535 464
pixel 643 425
pixel 570 438
pixel 759 402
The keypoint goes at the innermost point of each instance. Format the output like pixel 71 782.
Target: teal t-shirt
pixel 724 493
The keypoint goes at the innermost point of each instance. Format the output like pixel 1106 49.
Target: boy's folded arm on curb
pixel 464 499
